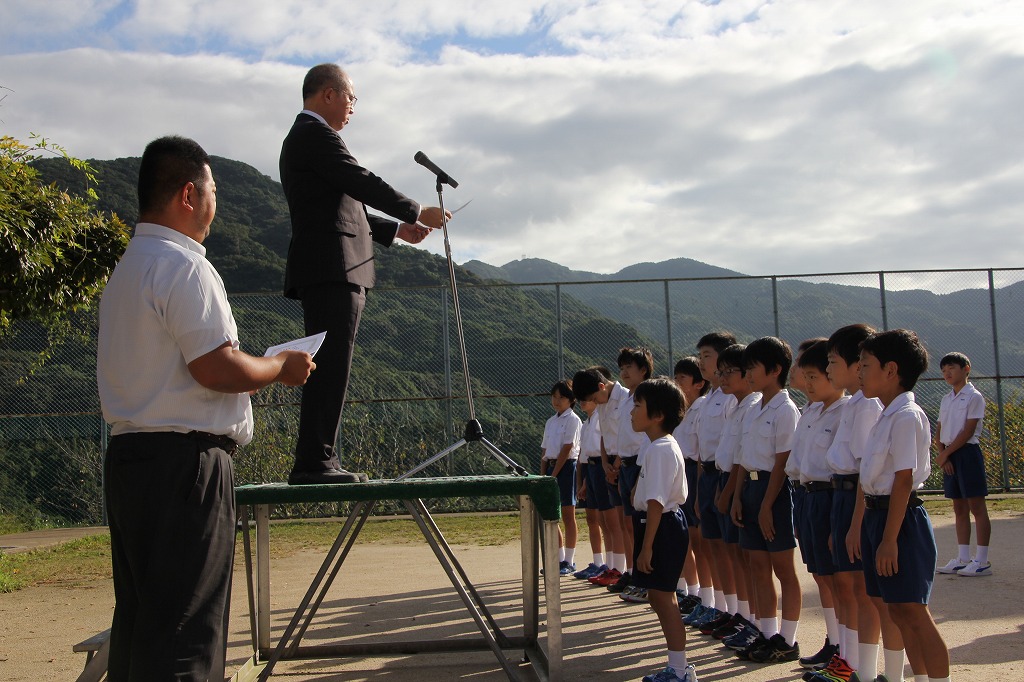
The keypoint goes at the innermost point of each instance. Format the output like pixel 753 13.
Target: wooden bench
pixel 96 649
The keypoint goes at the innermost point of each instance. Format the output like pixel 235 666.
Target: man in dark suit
pixel 330 258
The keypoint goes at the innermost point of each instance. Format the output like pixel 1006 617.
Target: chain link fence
pixel 407 399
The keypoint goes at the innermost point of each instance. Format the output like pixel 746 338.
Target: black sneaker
pixel 822 657
pixel 755 643
pixel 710 627
pixel 688 603
pixel 625 580
pixel 775 650
pixel 733 625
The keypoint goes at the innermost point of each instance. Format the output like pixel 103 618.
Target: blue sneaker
pixel 590 571
pixel 697 612
pixel 743 638
pixel 565 568
pixel 669 674
pixel 710 614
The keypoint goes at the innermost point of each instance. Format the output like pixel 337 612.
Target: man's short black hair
pixel 732 356
pixel 690 366
pixel 564 389
pixel 662 397
pixel 586 382
pixel 845 341
pixel 640 356
pixel 955 358
pixel 902 347
pixel 814 356
pixel 771 352
pixel 717 340
pixel 168 164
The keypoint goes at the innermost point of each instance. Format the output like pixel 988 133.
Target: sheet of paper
pixel 310 344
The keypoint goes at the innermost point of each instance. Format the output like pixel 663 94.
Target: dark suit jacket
pixel 327 193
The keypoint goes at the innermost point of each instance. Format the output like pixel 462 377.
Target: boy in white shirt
pixel 591 487
pixel 559 451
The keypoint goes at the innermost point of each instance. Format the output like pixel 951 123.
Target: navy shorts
pixel 613 490
pixel 691 467
pixel 843 503
pixel 566 481
pixel 968 477
pixel 802 532
pixel 815 532
pixel 707 486
pixel 597 486
pixel 782 513
pixel 668 552
pixel 730 531
pixel 629 474
pixel 916 556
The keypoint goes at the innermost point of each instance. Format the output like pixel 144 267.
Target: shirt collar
pixel 171 235
pixel 905 398
pixel 317 116
pixel 779 398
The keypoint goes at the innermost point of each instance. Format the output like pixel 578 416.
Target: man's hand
pixel 411 233
pixel 431 216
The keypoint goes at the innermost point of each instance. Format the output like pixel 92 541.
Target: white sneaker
pixel 974 569
pixel 953 566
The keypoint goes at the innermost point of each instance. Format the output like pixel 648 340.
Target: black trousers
pixel 171 507
pixel 334 308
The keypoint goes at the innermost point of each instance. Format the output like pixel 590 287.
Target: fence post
pixel 447 353
pixel 558 331
pixel 999 384
pixel 885 312
pixel 668 329
pixel 775 303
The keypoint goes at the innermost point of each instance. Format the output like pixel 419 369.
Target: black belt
pixel 882 501
pixel 817 486
pixel 709 467
pixel 223 442
pixel 627 461
pixel 845 481
pixel 757 475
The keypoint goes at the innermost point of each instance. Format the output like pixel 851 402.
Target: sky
pixel 767 137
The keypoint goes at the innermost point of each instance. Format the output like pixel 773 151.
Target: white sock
pixel 693 590
pixel 707 596
pixel 743 608
pixel 681 585
pixel 769 627
pixel 620 562
pixel 720 601
pixel 788 630
pixel 895 661
pixel 937 679
pixel 842 640
pixel 731 603
pixel 677 660
pixel 922 678
pixel 831 626
pixel 851 652
pixel 570 554
pixel 599 558
pixel 981 556
pixel 868 668
pixel 561 554
pixel 964 553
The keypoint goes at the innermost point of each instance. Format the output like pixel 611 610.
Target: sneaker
pixel 776 650
pixel 687 602
pixel 822 657
pixel 710 614
pixel 670 674
pixel 952 566
pixel 756 643
pixel 696 613
pixel 624 581
pixel 838 670
pixel 710 626
pixel 734 625
pixel 609 577
pixel 589 572
pixel 565 568
pixel 974 569
pixel 881 678
pixel 634 595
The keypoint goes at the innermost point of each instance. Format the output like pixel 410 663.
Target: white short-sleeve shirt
pixel 164 306
pixel 609 414
pixel 630 442
pixel 900 440
pixel 813 439
pixel 727 453
pixel 800 437
pixel 956 409
pixel 560 430
pixel 590 439
pixel 856 419
pixel 662 475
pixel 686 432
pixel 717 408
pixel 771 429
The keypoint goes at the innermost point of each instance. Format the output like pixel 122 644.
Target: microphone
pixel 442 177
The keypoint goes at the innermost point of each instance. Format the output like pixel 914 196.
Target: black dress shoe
pixel 325 477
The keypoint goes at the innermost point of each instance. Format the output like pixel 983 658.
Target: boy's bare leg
pixel 962 517
pixel 926 649
pixel 613 523
pixel 667 608
pixel 571 531
pixel 764 586
pixel 983 525
pixel 627 537
pixel 721 566
pixel 784 566
pixel 594 531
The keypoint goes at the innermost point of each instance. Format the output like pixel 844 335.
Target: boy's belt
pixel 845 481
pixel 882 501
pixel 223 442
pixel 709 467
pixel 757 475
pixel 817 486
pixel 627 461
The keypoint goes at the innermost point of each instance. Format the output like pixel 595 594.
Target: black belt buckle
pixel 221 441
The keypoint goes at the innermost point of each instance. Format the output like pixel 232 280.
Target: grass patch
pixel 70 563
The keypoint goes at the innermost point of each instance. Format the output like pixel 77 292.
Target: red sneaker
pixel 609 577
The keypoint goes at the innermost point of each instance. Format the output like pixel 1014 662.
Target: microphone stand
pixel 474 432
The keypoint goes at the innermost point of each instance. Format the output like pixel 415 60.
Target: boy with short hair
pixel 559 451
pixel 763 506
pixel 659 526
pixel 595 492
pixel 897 543
pixel 963 465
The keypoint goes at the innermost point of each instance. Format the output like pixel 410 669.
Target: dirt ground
pixel 400 592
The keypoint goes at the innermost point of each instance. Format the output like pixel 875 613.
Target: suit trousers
pixel 171 508
pixel 335 308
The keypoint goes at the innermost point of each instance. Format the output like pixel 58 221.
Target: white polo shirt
pixel 769 431
pixel 609 414
pixel 727 453
pixel 686 432
pixel 900 440
pixel 164 306
pixel 630 442
pixel 856 419
pixel 956 409
pixel 662 476
pixel 814 437
pixel 560 430
pixel 590 439
pixel 717 408
pixel 800 437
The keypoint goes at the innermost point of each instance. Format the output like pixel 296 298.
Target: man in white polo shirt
pixel 174 387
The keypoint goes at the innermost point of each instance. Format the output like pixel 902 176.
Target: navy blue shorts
pixel 730 531
pixel 803 534
pixel 782 513
pixel 668 552
pixel 816 528
pixel 597 486
pixel 566 481
pixel 707 486
pixel 968 477
pixel 843 503
pixel 691 467
pixel 613 491
pixel 916 556
pixel 629 474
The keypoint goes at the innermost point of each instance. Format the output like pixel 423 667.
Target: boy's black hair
pixel 662 397
pixel 639 356
pixel 717 340
pixel 807 343
pixel 690 366
pixel 902 347
pixel 732 356
pixel 845 341
pixel 586 382
pixel 771 352
pixel 607 373
pixel 814 356
pixel 564 389
pixel 955 358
